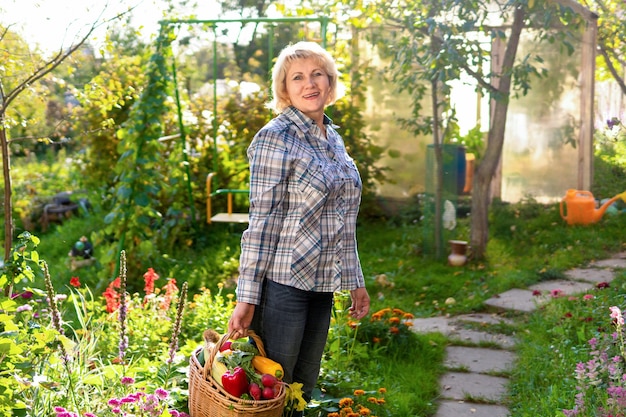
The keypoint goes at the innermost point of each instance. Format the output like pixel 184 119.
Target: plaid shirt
pixel 305 193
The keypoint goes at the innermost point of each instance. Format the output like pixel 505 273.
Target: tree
pixel 439 41
pixel 611 38
pixel 37 67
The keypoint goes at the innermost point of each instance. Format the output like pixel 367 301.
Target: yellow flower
pixel 295 396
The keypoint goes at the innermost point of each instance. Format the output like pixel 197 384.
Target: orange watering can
pixel 580 207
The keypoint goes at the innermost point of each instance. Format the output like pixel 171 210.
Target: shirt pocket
pixel 310 177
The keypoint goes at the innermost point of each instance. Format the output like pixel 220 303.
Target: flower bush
pixel 601 380
pixel 77 354
pixel 362 403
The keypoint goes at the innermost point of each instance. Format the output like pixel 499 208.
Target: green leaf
pixel 9 347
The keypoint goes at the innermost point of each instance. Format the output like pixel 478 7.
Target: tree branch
pixel 609 64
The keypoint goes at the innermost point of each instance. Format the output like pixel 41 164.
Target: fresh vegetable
pixel 244 347
pixel 218 367
pixel 255 391
pixel 269 381
pixel 243 360
pixel 226 346
pixel 268 393
pixel 235 382
pixel 265 365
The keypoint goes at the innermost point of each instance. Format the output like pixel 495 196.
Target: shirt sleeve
pixel 269 168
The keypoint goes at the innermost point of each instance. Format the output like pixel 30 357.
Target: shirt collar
pixel 304 122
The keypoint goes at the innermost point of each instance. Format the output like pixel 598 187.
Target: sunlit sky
pixel 55 24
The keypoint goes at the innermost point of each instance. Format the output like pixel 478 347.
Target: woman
pixel 300 246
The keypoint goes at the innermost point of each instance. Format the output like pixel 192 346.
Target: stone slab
pixel 594 275
pixel 467 409
pixel 432 325
pixel 479 360
pixel 515 299
pixel 615 263
pixel 448 328
pixel 485 319
pixel 565 287
pixel 477 337
pixel 461 385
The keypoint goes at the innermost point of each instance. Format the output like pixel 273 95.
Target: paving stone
pixel 479 360
pixel 617 263
pixel 515 299
pixel 565 286
pixel 467 409
pixel 460 385
pixel 594 275
pixel 432 325
pixel 483 318
pixel 476 337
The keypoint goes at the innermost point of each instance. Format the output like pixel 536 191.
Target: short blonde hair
pixel 301 50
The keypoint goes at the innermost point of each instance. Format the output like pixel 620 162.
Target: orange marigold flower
pixel 333 414
pixel 352 414
pixel 380 401
pixel 382 390
pixel 394 320
pixel 376 317
pixel 408 323
pixel 364 411
pixel 408 316
pixel 398 311
pixel 348 411
pixel 358 392
pixel 346 402
pixel 394 330
pixel 375 339
pixel 353 324
pixel 372 400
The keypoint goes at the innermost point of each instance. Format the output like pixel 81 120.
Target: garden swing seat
pixel 229 216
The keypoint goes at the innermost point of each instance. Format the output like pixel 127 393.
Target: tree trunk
pixel 481 196
pixel 8 206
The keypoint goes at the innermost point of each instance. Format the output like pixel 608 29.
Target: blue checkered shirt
pixel 305 193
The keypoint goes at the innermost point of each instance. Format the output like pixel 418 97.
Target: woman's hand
pixel 241 319
pixel 360 303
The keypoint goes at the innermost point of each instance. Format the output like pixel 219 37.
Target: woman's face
pixel 308 87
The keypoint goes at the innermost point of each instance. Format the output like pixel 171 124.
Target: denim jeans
pixel 293 325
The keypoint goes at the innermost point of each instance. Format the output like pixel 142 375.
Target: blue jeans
pixel 293 325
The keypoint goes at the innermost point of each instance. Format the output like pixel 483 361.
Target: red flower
pixel 112 296
pixel 75 282
pixel 170 289
pixel 149 278
pixel 603 284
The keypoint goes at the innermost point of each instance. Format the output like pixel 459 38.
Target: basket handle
pixel 208 362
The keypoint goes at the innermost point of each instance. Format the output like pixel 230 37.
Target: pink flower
pixel 588 297
pixel 556 293
pixel 127 380
pixel 616 314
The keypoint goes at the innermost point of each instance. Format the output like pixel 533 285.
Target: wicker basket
pixel 207 398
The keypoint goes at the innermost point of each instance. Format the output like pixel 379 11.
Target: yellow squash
pixel 265 365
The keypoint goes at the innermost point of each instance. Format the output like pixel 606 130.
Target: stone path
pixel 478 361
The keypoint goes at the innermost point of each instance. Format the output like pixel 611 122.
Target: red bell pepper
pixel 235 382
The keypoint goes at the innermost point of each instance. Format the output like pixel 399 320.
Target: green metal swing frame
pixel 211 180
